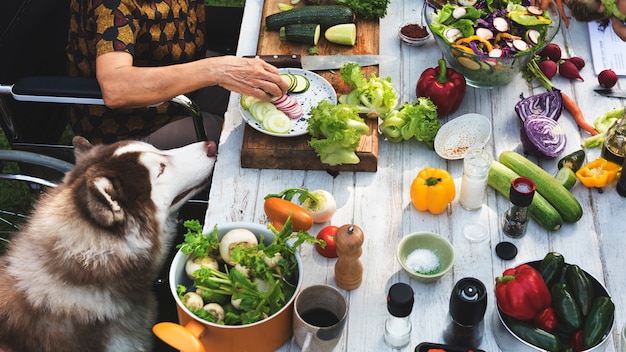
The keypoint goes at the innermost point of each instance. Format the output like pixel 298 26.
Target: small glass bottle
pixel 476 164
pixel 516 217
pixel 398 325
pixel 614 148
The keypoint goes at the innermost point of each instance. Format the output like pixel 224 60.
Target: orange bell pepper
pixel 433 189
pixel 598 173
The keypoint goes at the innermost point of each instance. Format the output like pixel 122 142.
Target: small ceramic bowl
pixel 425 256
pixel 409 40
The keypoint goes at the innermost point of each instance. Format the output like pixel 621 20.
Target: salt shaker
pixel 521 196
pixel 468 303
pixel 398 325
pixel 476 164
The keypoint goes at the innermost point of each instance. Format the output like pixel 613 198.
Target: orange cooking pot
pixel 194 334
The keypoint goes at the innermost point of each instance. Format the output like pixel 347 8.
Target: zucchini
pixel 561 199
pixel 599 321
pixel 325 16
pixel 307 33
pixel 581 287
pixel 343 34
pixel 540 210
pixel 533 335
pixel 574 160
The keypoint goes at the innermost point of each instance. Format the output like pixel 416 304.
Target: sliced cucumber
pixel 277 122
pixel 246 101
pixel 302 84
pixel 260 109
pixel 566 177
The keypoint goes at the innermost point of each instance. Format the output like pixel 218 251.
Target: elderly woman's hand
pixel 248 76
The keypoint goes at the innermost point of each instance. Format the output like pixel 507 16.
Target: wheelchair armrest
pixel 58 89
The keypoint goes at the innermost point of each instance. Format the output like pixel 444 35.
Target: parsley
pixel 368 9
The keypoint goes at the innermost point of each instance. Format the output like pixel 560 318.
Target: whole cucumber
pixel 599 321
pixel 533 335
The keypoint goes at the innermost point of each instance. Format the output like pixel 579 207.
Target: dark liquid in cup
pixel 320 317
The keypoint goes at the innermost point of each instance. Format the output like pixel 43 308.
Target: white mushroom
pixel 236 238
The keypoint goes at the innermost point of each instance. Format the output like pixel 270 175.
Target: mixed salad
pixel 490 39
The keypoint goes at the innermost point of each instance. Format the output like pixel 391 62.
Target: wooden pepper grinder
pixel 348 269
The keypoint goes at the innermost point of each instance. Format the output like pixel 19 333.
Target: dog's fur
pixel 78 276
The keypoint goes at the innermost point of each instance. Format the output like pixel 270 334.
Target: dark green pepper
pixel 551 267
pixel 533 335
pixel 565 306
pixel 581 287
pixel 573 160
pixel 599 321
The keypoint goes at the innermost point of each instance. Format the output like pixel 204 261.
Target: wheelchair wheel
pixel 24 176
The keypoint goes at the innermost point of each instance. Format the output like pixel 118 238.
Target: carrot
pixel 570 105
pixel 278 210
pixel 559 4
pixel 544 4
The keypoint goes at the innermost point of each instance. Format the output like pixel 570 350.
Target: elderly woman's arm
pixel 125 85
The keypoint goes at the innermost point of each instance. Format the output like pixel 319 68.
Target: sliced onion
pixel 543 137
pixel 549 104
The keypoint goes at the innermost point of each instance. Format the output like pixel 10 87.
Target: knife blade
pixel 323 62
pixel 614 93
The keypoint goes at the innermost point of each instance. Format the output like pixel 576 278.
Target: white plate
pixel 456 136
pixel 319 90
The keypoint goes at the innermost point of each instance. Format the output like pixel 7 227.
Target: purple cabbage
pixel 549 104
pixel 542 136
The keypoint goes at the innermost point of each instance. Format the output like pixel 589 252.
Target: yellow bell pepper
pixel 487 46
pixel 598 173
pixel 433 189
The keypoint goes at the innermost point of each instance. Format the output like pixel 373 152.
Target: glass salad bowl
pixel 490 48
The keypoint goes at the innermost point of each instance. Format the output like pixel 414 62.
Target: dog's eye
pixel 161 169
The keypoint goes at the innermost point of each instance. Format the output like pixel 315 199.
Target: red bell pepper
pixel 444 86
pixel 521 292
pixel 577 341
pixel 546 320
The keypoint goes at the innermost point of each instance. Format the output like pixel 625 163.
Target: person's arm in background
pixel 619 26
pixel 125 85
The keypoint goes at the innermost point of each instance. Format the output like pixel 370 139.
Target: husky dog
pixel 78 276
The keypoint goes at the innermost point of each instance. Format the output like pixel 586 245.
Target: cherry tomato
pixel 328 235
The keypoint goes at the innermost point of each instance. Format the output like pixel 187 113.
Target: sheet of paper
pixel 607 50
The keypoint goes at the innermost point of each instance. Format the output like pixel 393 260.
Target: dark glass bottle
pixel 468 303
pixel 516 217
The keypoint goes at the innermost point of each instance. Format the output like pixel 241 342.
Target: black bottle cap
pixel 522 191
pixel 621 183
pixel 506 250
pixel 468 301
pixel 400 300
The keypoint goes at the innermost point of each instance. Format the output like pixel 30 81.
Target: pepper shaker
pixel 348 269
pixel 468 303
pixel 521 196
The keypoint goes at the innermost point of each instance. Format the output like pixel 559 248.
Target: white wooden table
pixel 379 202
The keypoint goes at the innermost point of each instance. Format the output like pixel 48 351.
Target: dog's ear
pixel 81 146
pixel 102 200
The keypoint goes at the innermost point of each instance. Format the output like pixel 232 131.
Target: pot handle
pixel 184 338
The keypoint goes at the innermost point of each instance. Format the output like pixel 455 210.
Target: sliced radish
pixel 535 10
pixel 459 12
pixel 468 2
pixel 497 52
pixel 532 35
pixel 484 33
pixel 452 34
pixel 500 24
pixel 520 45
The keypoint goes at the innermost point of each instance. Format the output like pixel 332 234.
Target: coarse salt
pixel 423 261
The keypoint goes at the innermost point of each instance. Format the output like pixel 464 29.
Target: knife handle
pixel 281 61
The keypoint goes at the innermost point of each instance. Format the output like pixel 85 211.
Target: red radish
pixel 568 70
pixel 548 67
pixel 578 61
pixel 289 105
pixel 607 78
pixel 500 24
pixel 552 51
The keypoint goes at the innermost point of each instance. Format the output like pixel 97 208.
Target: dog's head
pixel 134 180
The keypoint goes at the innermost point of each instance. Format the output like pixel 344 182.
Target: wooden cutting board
pixel 261 151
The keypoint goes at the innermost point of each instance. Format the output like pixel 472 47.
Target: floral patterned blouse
pixel 154 32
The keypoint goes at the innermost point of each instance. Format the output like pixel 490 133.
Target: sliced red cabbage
pixel 542 136
pixel 549 104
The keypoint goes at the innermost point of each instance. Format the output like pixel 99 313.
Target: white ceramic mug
pixel 319 316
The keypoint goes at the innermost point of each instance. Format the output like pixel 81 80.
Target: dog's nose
pixel 211 148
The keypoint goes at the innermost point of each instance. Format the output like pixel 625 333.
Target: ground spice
pixel 414 31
